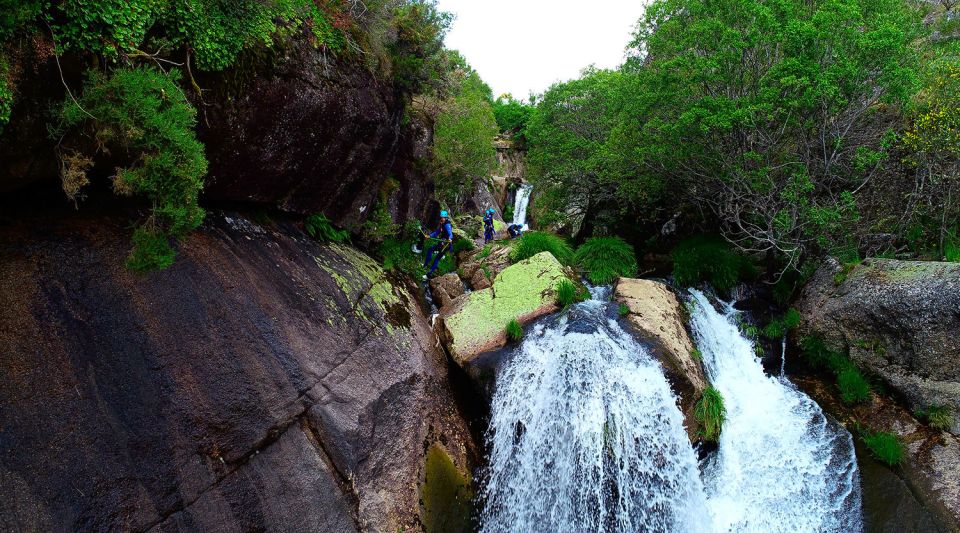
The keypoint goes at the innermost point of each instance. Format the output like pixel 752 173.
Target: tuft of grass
pixel 937 416
pixel 566 293
pixel 514 330
pixel 534 242
pixel 709 259
pixel 779 327
pixel 884 446
pixel 151 251
pixel 320 228
pixel 711 414
pixel 951 247
pixel 462 245
pixel 604 259
pixel 696 354
pixel 854 388
pixel 485 252
pixel 624 310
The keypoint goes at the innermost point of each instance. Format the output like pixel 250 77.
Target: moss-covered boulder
pixel 476 322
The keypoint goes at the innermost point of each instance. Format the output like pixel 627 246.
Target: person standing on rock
pixel 488 225
pixel 444 232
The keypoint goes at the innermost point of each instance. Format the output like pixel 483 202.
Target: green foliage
pixel 604 259
pixel 779 327
pixel 151 251
pixel 320 228
pixel 885 447
pixel 566 293
pixel 6 93
pixel 711 414
pixel 937 416
pixel 854 388
pixel 508 213
pixel 512 116
pixel 418 59
pixel 532 243
pixel 462 245
pixel 14 14
pixel 709 259
pixel 397 257
pixel 485 252
pixel 623 310
pixel 463 151
pixel 696 354
pixel 514 330
pixel 142 119
pixel 951 248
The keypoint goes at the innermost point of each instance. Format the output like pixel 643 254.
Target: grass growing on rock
pixel 604 259
pixel 535 242
pixel 320 228
pixel 937 416
pixel 854 388
pixel 711 413
pixel 514 330
pixel 779 327
pixel 884 446
pixel 709 259
pixel 566 293
pixel 624 309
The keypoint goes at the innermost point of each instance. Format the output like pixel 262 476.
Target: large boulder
pixel 899 320
pixel 263 382
pixel 479 267
pixel 476 322
pixel 657 316
pixel 445 289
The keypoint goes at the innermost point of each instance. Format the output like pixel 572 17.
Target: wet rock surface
pixel 656 316
pixel 899 320
pixel 263 382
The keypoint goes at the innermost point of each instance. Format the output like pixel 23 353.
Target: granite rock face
pixel 899 320
pixel 263 382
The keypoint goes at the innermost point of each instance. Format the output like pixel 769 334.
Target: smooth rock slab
pixel 476 322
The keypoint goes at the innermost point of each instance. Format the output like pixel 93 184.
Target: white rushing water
pixel 585 435
pixel 520 204
pixel 781 464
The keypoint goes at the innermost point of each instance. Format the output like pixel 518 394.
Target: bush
pixel 937 417
pixel 141 119
pixel 151 251
pixel 566 293
pixel 535 242
pixel 604 259
pixel 711 414
pixel 462 245
pixel 514 330
pixel 709 259
pixel 779 327
pixel 320 228
pixel 854 388
pixel 885 447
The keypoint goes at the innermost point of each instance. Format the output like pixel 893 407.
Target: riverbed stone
pixel 658 317
pixel 476 322
pixel 899 320
pixel 445 289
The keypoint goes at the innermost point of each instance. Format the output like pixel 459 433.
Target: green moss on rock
pixel 476 322
pixel 446 495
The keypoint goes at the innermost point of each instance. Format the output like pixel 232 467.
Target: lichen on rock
pixel 476 322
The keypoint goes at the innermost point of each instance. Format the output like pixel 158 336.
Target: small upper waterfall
pixel 782 465
pixel 520 204
pixel 585 435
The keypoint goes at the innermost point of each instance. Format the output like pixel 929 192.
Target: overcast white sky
pixel 519 46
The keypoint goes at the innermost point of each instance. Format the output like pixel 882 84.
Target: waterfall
pixel 585 435
pixel 520 204
pixel 782 465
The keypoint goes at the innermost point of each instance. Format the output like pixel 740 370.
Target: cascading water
pixel 782 465
pixel 585 435
pixel 520 204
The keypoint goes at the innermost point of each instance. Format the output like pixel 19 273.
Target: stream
pixel 585 435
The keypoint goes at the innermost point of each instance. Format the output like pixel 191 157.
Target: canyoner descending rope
pixel 585 435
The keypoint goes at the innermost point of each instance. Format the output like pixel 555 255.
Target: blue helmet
pixel 490 211
pixel 444 214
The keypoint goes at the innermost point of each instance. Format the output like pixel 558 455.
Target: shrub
pixel 320 228
pixel 514 330
pixel 779 327
pixel 151 251
pixel 711 414
pixel 624 310
pixel 937 417
pixel 146 125
pixel 604 259
pixel 854 388
pixel 709 259
pixel 462 245
pixel 951 248
pixel 566 293
pixel 884 446
pixel 508 213
pixel 535 242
